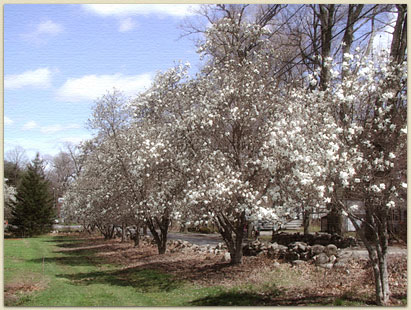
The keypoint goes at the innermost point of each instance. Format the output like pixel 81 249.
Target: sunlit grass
pixel 58 271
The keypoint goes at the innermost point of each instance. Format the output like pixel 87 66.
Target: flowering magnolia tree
pixel 225 128
pixel 229 146
pixel 164 156
pixel 98 197
pixel 344 144
pixel 9 193
pixel 302 149
pixel 371 105
pixel 101 195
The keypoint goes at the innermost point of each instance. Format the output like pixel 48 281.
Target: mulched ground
pixel 299 285
pixel 29 284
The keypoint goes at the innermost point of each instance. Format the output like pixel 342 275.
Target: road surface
pixel 195 238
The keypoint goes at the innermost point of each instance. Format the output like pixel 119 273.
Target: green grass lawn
pixel 39 272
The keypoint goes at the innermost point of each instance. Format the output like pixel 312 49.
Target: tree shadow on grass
pixel 72 260
pixel 232 298
pixel 55 239
pixel 80 249
pixel 143 280
pixel 241 298
pixel 66 241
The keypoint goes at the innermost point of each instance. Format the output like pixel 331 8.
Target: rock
pixel 297 262
pixel 282 248
pixel 273 246
pixel 317 249
pixel 276 264
pixel 226 257
pixel 330 250
pixel 344 254
pixel 272 253
pixel 326 266
pixel 282 251
pixel 321 259
pixel 299 246
pixel 291 256
pixel 340 265
pixel 305 256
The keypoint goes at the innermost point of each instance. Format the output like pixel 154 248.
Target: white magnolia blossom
pixel 229 146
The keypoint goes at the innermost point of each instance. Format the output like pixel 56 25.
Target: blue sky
pixel 59 58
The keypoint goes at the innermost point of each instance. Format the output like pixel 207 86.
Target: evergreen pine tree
pixel 33 211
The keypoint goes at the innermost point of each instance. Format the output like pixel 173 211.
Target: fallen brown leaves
pixel 300 284
pixel 29 284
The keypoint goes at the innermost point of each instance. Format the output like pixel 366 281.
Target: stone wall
pixel 326 256
pixel 316 238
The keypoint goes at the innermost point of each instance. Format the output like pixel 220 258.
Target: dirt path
pixel 362 253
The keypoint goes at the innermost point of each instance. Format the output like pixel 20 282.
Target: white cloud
pixel 75 139
pixel 40 78
pixel 49 129
pixel 43 31
pixel 8 121
pixel 49 27
pixel 126 25
pixel 58 127
pixel 121 10
pixel 90 87
pixel 30 125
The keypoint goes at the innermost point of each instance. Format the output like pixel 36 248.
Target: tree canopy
pixel 260 132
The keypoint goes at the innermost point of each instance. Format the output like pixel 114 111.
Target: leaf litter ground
pixel 277 282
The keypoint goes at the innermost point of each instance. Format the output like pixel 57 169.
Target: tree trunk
pixel 306 221
pixel 250 228
pixel 354 11
pixel 123 233
pixel 233 236
pixel 370 44
pixel 327 22
pixel 382 252
pixel 382 291
pixel 160 239
pixel 377 252
pixel 136 237
pixel 384 280
pixel 334 221
pixel 183 228
pixel 236 256
pixel 399 37
pixel 106 230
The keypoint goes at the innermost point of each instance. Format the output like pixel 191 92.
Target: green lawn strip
pixel 61 269
pixel 84 280
pixel 78 278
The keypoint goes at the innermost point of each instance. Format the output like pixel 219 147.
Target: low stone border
pixel 296 253
pixel 315 238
